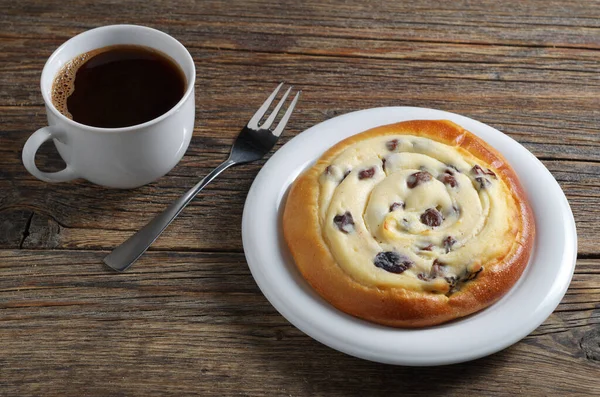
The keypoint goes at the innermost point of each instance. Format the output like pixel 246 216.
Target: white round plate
pixel 523 309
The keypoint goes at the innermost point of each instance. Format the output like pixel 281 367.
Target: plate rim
pixel 565 269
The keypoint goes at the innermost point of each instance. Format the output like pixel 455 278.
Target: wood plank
pixel 79 215
pixel 545 106
pixel 488 22
pixel 197 323
pixel 14 226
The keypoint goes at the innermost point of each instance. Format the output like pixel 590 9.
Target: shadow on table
pixel 324 371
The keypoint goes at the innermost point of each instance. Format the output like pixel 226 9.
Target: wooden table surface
pixel 189 318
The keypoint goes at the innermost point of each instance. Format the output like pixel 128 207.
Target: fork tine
pixel 277 131
pixel 267 124
pixel 253 123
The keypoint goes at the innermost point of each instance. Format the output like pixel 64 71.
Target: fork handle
pixel 129 251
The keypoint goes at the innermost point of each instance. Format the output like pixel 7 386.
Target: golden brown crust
pixel 396 306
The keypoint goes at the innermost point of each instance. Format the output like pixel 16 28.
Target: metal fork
pixel 253 142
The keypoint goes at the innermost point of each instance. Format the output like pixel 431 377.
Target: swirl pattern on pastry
pixel 407 224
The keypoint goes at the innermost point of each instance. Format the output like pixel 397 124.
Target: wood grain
pixel 189 319
pixel 197 323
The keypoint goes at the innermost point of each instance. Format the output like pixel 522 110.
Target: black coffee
pixel 118 86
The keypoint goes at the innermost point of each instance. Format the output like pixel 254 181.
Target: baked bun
pixel 410 224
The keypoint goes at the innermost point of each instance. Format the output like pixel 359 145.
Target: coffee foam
pixel 64 81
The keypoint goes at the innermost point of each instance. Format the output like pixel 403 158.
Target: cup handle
pixel 31 147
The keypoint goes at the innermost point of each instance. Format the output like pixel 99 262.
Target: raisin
pixel 452 280
pixel 473 275
pixel 383 160
pixel 417 178
pixel 392 145
pixel 344 222
pixel 455 282
pixel 477 170
pixel 484 183
pixel 392 262
pixel 432 217
pixel 366 174
pixel 428 247
pixel 437 269
pixel 448 179
pixel 395 206
pixel 328 170
pixel 448 243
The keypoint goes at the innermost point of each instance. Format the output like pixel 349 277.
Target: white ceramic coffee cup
pixel 125 157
